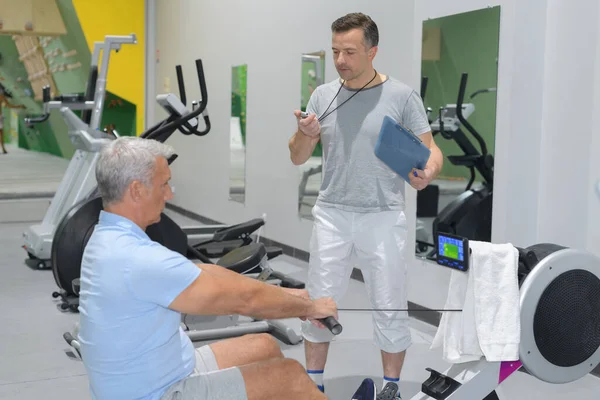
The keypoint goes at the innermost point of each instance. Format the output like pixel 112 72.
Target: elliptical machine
pixel 470 213
pixel 79 179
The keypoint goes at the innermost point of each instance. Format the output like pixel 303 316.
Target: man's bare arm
pixel 419 179
pixel 218 291
pixel 436 159
pixel 301 147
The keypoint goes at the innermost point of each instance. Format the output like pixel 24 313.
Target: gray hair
pixel 125 160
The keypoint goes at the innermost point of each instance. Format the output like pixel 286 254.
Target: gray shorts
pixel 208 382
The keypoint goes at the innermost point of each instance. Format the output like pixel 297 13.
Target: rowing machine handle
pixel 332 324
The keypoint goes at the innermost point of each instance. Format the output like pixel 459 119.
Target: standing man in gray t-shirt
pixel 359 214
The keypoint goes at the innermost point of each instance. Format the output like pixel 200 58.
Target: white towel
pixel 488 294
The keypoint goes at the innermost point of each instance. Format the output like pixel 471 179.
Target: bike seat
pixel 245 259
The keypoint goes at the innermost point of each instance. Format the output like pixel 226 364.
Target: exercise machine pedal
pixel 273 251
pixel 439 386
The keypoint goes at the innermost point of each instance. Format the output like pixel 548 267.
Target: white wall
pixel 570 106
pixel 547 131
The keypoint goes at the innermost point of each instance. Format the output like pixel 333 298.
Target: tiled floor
pixel 33 355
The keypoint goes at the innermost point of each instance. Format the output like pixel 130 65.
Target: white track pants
pixel 374 243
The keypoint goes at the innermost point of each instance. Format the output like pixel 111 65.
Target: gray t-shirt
pixel 354 179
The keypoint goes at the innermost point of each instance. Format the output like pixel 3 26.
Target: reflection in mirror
pixel 237 144
pixel 313 73
pixel 459 68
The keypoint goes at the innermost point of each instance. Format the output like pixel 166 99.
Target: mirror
pixel 313 75
pixel 237 129
pixel 459 64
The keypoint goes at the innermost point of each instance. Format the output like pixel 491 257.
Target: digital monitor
pixel 453 251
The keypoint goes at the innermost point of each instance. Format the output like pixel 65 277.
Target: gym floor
pixel 35 361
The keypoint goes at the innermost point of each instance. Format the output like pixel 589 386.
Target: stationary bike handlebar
pixel 178 123
pixel 462 119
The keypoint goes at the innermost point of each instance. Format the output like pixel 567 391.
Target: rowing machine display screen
pixel 452 251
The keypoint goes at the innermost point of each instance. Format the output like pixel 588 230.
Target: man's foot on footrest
pixel 389 392
pixel 366 391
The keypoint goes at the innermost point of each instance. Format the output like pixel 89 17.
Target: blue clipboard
pixel 400 149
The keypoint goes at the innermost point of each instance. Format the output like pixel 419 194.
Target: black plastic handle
pixel 170 127
pixel 332 324
pixel 461 118
pixel 46 94
pixel 36 120
pixel 202 82
pixel 181 85
pixel 42 118
pixel 424 82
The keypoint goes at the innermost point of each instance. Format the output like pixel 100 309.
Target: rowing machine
pixel 559 318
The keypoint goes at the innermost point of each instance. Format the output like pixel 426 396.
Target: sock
pixel 395 380
pixel 317 376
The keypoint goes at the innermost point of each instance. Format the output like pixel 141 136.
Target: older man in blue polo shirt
pixel 133 291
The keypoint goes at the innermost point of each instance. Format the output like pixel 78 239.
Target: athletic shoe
pixel 366 391
pixel 389 392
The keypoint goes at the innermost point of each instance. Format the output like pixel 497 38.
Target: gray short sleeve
pixel 414 116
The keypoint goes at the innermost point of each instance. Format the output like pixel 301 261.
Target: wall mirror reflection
pixel 313 73
pixel 459 69
pixel 237 143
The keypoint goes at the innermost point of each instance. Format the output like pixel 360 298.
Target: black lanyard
pixel 323 116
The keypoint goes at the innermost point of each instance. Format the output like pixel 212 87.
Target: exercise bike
pixel 79 182
pixel 470 213
pixel 559 318
pixel 210 240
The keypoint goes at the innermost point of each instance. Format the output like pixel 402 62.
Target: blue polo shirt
pixel 132 344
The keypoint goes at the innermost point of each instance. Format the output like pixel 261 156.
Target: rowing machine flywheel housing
pixel 560 313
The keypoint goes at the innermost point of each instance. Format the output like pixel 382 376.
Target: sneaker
pixel 366 391
pixel 389 392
